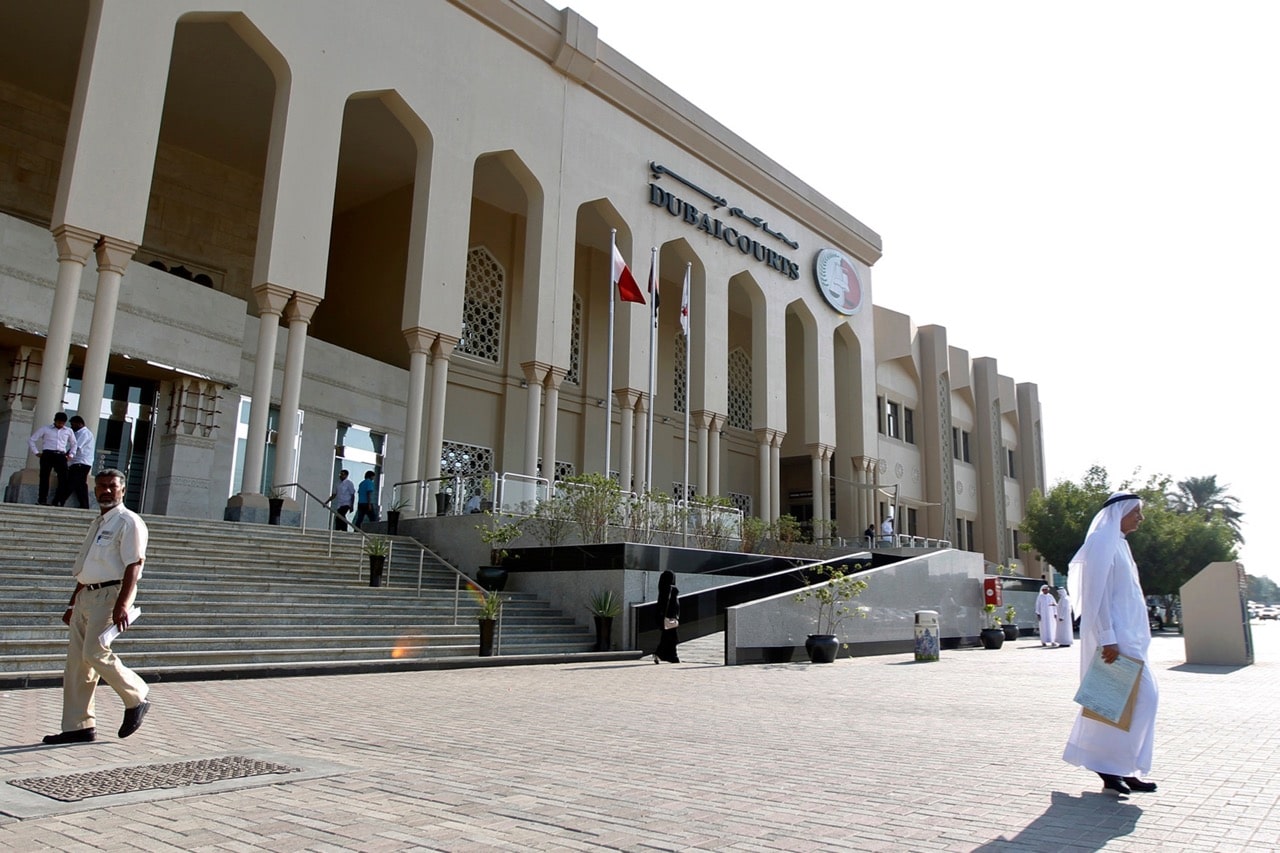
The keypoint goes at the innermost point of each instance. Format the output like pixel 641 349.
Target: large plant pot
pixel 486 636
pixel 444 502
pixel 393 522
pixel 274 506
pixel 1010 631
pixel 992 638
pixel 492 578
pixel 822 648
pixel 604 633
pixel 377 562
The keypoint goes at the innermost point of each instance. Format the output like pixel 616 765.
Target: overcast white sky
pixel 1087 192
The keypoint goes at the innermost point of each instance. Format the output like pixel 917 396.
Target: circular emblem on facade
pixel 883 467
pixel 915 474
pixel 838 281
pixel 959 488
pixel 898 470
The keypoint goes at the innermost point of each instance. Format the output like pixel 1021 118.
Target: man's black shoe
pixel 77 736
pixel 133 719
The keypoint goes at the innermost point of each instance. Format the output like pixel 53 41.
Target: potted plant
pixel 377 547
pixel 1010 629
pixel 393 515
pixel 604 605
pixel 496 533
pixel 487 618
pixel 992 636
pixel 275 503
pixel 832 593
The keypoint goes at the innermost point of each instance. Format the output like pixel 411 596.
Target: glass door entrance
pixel 125 426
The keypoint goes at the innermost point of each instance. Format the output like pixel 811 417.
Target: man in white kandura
pixel 1066 628
pixel 1047 612
pixel 1103 580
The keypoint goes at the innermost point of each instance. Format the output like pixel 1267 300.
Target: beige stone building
pixel 268 239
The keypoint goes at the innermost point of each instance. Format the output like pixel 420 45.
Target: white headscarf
pixel 1100 544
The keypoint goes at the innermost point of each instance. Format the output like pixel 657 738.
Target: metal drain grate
pixel 125 780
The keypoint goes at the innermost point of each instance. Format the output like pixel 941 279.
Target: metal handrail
pixel 324 504
pixel 424 488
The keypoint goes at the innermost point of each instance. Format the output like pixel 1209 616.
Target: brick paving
pixel 866 754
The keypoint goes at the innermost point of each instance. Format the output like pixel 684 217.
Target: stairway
pixel 229 600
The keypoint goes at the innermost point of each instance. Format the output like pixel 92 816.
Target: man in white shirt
pixel 343 499
pixel 886 532
pixel 77 480
pixel 106 572
pixel 54 444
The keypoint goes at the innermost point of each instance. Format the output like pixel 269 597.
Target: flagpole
pixel 608 391
pixel 684 322
pixel 653 359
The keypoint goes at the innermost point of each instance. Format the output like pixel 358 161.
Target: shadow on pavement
pixel 1086 822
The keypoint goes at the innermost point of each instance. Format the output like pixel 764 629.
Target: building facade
pixel 269 239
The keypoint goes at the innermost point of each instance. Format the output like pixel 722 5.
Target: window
pixel 880 415
pixel 269 456
pixel 468 461
pixel 680 387
pixel 574 374
pixel 968 535
pixel 893 420
pixel 739 389
pixel 482 305
pixel 959 543
pixel 912 522
pixel 1010 471
pixel 960 444
pixel 908 425
pixel 742 502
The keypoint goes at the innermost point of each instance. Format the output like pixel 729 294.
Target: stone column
pixel 298 313
pixel 702 427
pixel 641 449
pixel 815 476
pixel 775 471
pixel 534 375
pixel 74 246
pixel 441 351
pixel 764 440
pixel 626 407
pixel 550 421
pixel 419 341
pixel 713 454
pixel 271 301
pixel 113 256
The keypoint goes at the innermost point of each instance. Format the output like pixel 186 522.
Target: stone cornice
pixel 543 31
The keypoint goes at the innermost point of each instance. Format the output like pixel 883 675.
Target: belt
pixel 102 585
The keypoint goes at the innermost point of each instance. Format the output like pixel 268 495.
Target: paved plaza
pixel 873 753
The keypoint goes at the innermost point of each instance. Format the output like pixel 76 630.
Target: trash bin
pixel 926 635
pixel 444 501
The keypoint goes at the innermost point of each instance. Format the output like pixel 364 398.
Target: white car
pixel 1271 611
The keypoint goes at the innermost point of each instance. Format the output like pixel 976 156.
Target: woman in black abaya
pixel 669 609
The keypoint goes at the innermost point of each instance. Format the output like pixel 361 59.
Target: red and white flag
pixel 628 290
pixel 684 306
pixel 653 284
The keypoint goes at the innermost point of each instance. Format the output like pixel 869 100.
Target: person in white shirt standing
pixel 106 572
pixel 77 479
pixel 54 444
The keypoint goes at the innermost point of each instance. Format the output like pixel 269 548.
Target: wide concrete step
pixel 227 599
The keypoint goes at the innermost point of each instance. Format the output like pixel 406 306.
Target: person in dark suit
pixel 669 607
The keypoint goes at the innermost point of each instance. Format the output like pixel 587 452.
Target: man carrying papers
pixel 1103 583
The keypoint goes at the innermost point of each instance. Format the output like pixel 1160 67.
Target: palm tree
pixel 1203 495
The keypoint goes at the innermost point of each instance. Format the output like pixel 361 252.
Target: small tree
pixel 833 596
